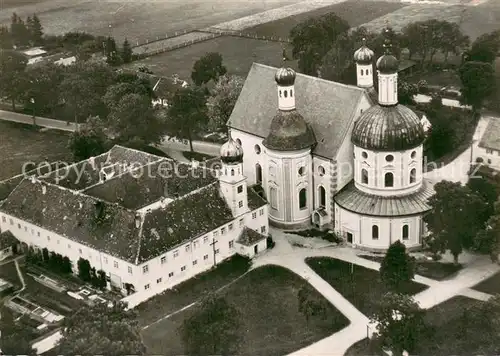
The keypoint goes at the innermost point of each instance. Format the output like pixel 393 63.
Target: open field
pixel 137 20
pixel 21 143
pixel 355 12
pixel 475 20
pixel 238 54
pixel 359 285
pixel 271 323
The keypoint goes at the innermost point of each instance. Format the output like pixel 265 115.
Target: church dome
pixel 289 132
pixel 388 128
pixel 387 64
pixel 363 55
pixel 285 77
pixel 231 152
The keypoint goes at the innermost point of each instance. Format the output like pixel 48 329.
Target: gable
pixel 327 106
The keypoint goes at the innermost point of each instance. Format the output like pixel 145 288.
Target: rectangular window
pixel 240 204
pixel 231 244
pixel 32 232
pixel 241 222
pixel 188 248
pixel 171 274
pixel 176 253
pixel 69 248
pixel 183 268
pixel 146 287
pixel 261 212
pixel 240 189
pixel 48 238
pixel 115 264
pixel 196 244
pixel 105 259
pixel 11 221
pixel 489 151
pixel 18 226
pixel 217 251
pixel 145 269
pixel 216 233
pixel 195 262
pixel 230 227
pixel 223 231
pixel 163 260
pixel 254 215
pixel 80 251
pixel 205 239
pixel 38 233
pixel 129 270
pixel 58 242
pixel 205 257
pixel 4 219
pixel 158 280
pixel 262 229
pixel 26 229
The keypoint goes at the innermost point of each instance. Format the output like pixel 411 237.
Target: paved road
pixel 40 121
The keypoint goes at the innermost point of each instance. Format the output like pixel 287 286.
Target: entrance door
pixel 256 249
pixel 349 237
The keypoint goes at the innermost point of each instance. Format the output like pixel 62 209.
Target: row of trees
pixel 53 261
pixel 88 274
pixel 21 33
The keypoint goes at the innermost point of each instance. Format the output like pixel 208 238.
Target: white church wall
pixel 322 178
pixel 390 229
pixel 251 158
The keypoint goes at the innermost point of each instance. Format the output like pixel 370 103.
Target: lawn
pixel 8 273
pixel 437 78
pixel 22 144
pixel 430 269
pixel 361 286
pixel 238 54
pixel 355 12
pixel 447 334
pixel 267 300
pixel 322 234
pixel 490 285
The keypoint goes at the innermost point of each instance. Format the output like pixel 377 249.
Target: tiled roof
pixel 491 136
pixel 249 237
pixel 255 201
pixel 350 198
pixel 7 239
pixel 328 107
pixel 181 220
pixel 148 184
pixel 74 216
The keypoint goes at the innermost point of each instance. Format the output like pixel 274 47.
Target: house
pixel 488 148
pixel 8 245
pixel 342 157
pixel 148 222
pixel 164 89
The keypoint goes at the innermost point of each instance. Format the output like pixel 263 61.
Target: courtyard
pixel 266 299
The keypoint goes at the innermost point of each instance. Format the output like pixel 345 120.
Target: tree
pixel 126 52
pixel 220 103
pixel 66 265
pixel 406 92
pixel 19 31
pixel 84 269
pixel 207 68
pixel 187 113
pixel 456 215
pixel 101 330
pixel 487 240
pixel 313 38
pixel 45 255
pixel 485 48
pixel 12 77
pixel 213 330
pixel 398 268
pixel 311 304
pixel 35 30
pixel 478 82
pixel 5 38
pixel 400 323
pixel 15 338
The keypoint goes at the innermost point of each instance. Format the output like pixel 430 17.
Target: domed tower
pixel 388 139
pixel 364 66
pixel 289 145
pixel 233 183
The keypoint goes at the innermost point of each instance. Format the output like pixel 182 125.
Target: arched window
pixel 280 93
pixel 302 171
pixel 321 171
pixel 257 149
pixel 364 155
pixel 414 154
pixel 322 196
pixel 362 72
pixel 389 179
pixel 273 197
pixel 291 93
pixel 406 232
pixel 375 232
pixel 232 172
pixel 238 141
pixel 364 176
pixel 286 94
pixel 413 175
pixel 258 173
pixel 303 198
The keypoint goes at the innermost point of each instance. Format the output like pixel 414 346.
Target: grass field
pixel 490 285
pixel 238 54
pixel 21 144
pixel 360 286
pixel 136 20
pixel 355 12
pixel 271 323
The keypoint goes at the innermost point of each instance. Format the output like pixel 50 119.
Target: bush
pixel 270 242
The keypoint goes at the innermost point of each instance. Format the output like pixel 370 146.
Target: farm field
pixel 238 54
pixel 267 301
pixel 21 144
pixel 355 12
pixel 138 20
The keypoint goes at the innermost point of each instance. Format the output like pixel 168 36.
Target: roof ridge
pixel 139 235
pixel 134 150
pixel 348 86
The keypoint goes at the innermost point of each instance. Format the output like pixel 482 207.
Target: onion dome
pixel 285 77
pixel 393 128
pixel 231 152
pixel 363 55
pixel 387 64
pixel 289 132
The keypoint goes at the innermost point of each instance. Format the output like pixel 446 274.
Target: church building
pixel 337 156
